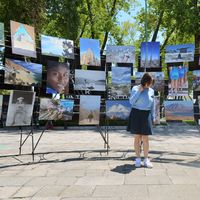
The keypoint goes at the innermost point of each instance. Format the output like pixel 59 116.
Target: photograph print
pixel 156 110
pixel 56 109
pixel 178 81
pixel 90 80
pixel 2 49
pixel 118 109
pixel 2 40
pixel 121 81
pixel 58 47
pixel 158 78
pixel 120 54
pixel 150 55
pixel 1 104
pixel 57 77
pixel 196 80
pixel 90 52
pixel 89 112
pixel 20 108
pixel 179 53
pixel 179 110
pixel 19 72
pixel 23 39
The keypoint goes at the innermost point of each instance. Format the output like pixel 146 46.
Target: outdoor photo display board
pixel 56 109
pixel 20 108
pixel 196 80
pixel 156 110
pixel 23 39
pixel 89 110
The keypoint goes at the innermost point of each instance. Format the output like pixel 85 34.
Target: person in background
pixel 140 118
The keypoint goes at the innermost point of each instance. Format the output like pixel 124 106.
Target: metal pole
pixel 146 34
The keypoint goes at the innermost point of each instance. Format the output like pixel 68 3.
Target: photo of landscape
pixel 118 109
pixel 120 54
pixel 179 110
pixel 89 112
pixel 58 47
pixel 90 52
pixel 23 39
pixel 121 81
pixel 56 109
pixel 156 110
pixel 196 80
pixel 90 80
pixel 179 53
pixel 19 72
pixel 150 55
pixel 2 40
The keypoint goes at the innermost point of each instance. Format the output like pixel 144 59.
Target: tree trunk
pixel 157 26
pixel 91 19
pixel 167 38
pixel 197 43
pixel 112 12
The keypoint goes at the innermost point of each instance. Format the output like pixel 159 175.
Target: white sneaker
pixel 147 163
pixel 138 162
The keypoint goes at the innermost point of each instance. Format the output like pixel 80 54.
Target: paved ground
pixel 72 165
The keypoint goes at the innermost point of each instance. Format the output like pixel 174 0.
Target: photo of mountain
pixel 158 77
pixel 118 109
pixel 23 39
pixel 150 55
pixel 89 112
pixel 90 80
pixel 56 109
pixel 120 54
pixel 179 53
pixel 19 72
pixel 179 110
pixel 58 47
pixel 90 52
pixel 2 40
pixel 121 81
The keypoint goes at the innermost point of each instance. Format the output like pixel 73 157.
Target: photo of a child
pixel 57 78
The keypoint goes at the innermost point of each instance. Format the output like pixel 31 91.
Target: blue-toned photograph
pixel 89 112
pixel 150 55
pixel 121 81
pixel 179 110
pixel 58 47
pixel 90 80
pixel 120 54
pixel 118 109
pixel 2 49
pixel 179 53
pixel 90 52
pixel 19 72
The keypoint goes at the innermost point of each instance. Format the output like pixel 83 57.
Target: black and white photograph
pixel 20 108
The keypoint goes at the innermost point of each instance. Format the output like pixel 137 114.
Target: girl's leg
pixel 137 144
pixel 145 139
